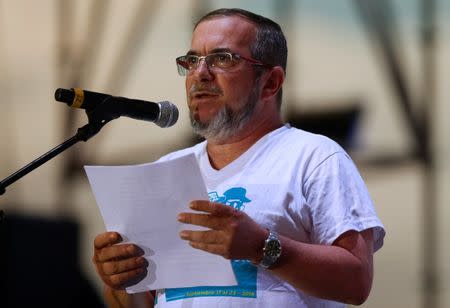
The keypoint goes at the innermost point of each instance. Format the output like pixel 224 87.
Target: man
pixel 287 207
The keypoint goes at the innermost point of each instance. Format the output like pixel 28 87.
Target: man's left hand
pixel 233 234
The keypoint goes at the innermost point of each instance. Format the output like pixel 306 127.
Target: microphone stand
pixel 97 117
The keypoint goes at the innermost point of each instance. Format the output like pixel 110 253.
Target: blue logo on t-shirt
pixel 244 270
pixel 234 197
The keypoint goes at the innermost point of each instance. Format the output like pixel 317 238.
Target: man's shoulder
pixel 309 142
pixel 303 151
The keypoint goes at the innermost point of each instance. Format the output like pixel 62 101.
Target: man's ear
pixel 272 82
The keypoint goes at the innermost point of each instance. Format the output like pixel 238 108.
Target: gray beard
pixel 227 122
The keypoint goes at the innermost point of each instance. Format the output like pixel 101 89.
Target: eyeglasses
pixel 216 62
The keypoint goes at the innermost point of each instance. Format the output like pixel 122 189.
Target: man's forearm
pixel 329 272
pixel 121 299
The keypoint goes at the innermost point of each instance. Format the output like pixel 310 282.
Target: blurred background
pixel 373 75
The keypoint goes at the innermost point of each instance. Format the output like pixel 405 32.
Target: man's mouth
pixel 203 94
pixel 204 91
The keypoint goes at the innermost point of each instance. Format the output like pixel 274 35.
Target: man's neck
pixel 223 153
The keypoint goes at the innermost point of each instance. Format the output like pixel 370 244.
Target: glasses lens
pixel 182 66
pixel 192 61
pixel 186 64
pixel 220 60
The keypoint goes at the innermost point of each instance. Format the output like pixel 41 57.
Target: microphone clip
pixel 97 118
pixel 103 113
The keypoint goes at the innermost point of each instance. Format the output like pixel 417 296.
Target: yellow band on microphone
pixel 78 99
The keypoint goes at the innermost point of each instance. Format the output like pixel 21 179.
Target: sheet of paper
pixel 142 202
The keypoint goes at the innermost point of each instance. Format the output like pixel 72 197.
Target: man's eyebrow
pixel 220 50
pixel 192 52
pixel 215 50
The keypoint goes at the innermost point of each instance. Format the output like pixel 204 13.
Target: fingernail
pixel 181 217
pixel 183 234
pixel 115 237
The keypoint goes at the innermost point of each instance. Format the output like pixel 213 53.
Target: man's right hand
pixel 119 266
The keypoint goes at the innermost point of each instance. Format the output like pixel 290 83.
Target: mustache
pixel 202 88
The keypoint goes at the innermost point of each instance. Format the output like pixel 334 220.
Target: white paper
pixel 142 202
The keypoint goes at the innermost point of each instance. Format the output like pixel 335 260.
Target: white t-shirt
pixel 301 185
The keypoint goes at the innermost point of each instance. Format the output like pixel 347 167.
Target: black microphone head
pixel 64 96
pixel 168 114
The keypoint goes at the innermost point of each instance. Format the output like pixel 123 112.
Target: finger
pixel 115 252
pixel 204 220
pixel 126 279
pixel 216 249
pixel 117 267
pixel 201 205
pixel 217 209
pixel 207 237
pixel 106 239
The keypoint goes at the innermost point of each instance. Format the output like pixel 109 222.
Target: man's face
pixel 222 102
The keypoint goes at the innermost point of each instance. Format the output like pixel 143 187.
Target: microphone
pixel 163 114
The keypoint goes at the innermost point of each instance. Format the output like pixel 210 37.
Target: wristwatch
pixel 271 250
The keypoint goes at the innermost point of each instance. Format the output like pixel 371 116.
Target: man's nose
pixel 202 70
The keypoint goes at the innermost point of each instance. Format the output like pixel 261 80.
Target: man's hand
pixel 118 266
pixel 233 234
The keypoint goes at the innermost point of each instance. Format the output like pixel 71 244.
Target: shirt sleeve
pixel 338 201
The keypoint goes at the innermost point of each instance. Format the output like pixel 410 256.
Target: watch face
pixel 273 249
